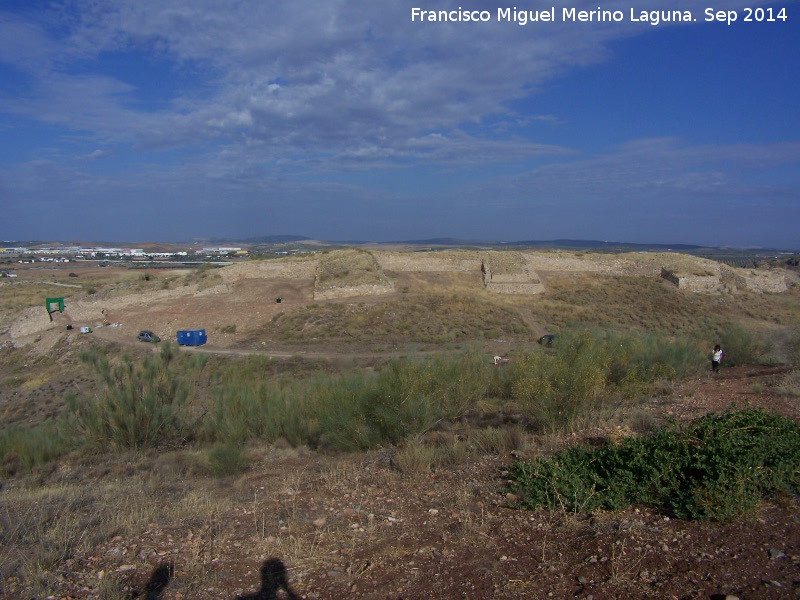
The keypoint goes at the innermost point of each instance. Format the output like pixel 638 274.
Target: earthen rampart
pixel 335 292
pixel 528 289
pixel 426 263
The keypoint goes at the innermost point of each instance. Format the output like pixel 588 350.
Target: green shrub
pixel 247 409
pixel 227 459
pixel 23 448
pixel 563 390
pixel 741 347
pixel 792 348
pixel 719 466
pixel 173 396
pixel 139 405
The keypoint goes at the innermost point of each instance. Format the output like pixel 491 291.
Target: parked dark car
pixel 148 336
pixel 547 340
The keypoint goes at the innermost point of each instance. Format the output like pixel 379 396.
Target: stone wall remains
pixel 764 281
pixel 692 283
pixel 525 282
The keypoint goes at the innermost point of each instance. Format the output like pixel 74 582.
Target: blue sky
pixel 145 120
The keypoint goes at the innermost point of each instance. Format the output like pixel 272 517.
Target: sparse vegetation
pixel 790 384
pixel 349 268
pixel 655 306
pixel 419 318
pixel 197 454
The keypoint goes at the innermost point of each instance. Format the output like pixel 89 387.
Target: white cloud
pixel 265 90
pixel 95 155
pixel 321 79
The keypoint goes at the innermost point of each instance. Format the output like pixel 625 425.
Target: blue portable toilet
pixel 192 337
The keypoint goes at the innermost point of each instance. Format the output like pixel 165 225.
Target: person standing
pixel 716 358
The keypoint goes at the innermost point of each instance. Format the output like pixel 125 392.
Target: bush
pixel 140 404
pixel 247 409
pixel 414 460
pixel 23 448
pixel 227 459
pixel 715 468
pixel 563 390
pixel 790 384
pixel 740 347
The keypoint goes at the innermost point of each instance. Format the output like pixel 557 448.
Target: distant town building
pixel 218 250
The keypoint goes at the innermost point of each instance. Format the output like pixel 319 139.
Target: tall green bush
pixel 564 388
pixel 741 347
pixel 140 404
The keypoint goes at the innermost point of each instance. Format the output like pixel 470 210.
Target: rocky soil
pixel 355 527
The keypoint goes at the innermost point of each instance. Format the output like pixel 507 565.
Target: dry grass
pixel 414 459
pixel 654 305
pixel 790 385
pixel 346 268
pixel 17 296
pixel 423 319
pixel 42 527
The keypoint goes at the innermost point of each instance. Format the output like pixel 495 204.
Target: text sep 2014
pixel 653 17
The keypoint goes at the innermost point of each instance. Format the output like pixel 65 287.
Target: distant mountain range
pixel 445 241
pixel 560 243
pixel 423 243
pixel 264 239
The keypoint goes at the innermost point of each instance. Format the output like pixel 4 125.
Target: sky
pixel 164 120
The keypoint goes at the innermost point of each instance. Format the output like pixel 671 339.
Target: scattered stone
pixel 776 554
